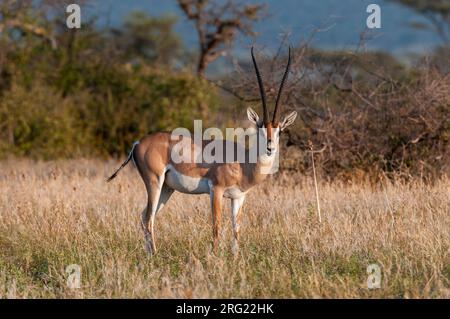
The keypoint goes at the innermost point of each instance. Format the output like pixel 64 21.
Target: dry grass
pixel 58 213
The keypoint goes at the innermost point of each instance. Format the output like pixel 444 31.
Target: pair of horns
pixel 276 112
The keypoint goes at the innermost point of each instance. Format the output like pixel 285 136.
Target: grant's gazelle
pixel 162 175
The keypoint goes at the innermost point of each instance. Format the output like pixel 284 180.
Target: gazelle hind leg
pixel 147 234
pixel 216 195
pixel 154 188
pixel 236 215
pixel 166 192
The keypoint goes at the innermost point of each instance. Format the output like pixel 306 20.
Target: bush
pixel 101 118
pixel 37 122
pixel 88 96
pixel 367 112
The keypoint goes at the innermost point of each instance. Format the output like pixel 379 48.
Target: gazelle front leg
pixel 216 194
pixel 236 214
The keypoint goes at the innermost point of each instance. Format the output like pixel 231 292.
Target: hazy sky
pixel 343 21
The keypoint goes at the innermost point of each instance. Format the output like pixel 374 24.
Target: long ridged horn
pixel 277 111
pixel 261 91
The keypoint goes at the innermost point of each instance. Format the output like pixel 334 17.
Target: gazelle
pixel 162 175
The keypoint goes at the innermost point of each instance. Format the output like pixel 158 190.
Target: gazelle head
pixel 269 130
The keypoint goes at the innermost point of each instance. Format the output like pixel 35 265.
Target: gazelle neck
pixel 264 165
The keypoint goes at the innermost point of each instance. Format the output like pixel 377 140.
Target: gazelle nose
pixel 270 147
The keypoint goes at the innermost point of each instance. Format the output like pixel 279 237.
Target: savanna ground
pixel 53 214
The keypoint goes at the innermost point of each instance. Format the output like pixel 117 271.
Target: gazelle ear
pixel 253 116
pixel 288 120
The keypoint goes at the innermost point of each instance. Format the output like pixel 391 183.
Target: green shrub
pixel 93 95
pixel 90 108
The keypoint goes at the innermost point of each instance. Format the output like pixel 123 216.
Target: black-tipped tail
pixel 130 156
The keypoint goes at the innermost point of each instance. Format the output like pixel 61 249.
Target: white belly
pixel 186 184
